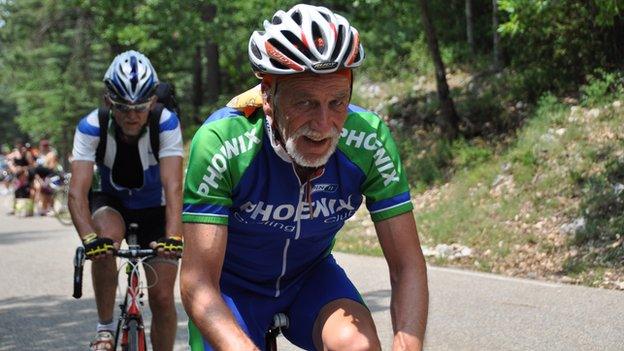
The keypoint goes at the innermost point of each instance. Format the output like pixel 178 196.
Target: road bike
pixel 130 332
pixel 60 188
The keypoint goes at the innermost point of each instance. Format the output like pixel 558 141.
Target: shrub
pixel 601 87
pixel 603 205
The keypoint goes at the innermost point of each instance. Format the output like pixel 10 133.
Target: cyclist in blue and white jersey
pixel 130 185
pixel 272 179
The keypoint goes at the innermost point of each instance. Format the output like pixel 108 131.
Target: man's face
pixel 131 120
pixel 310 111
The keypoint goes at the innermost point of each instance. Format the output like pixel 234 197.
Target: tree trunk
pixel 470 27
pixel 198 89
pixel 213 79
pixel 213 75
pixel 497 61
pixel 448 119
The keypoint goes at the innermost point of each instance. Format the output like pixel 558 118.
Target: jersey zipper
pixel 300 200
pixel 284 255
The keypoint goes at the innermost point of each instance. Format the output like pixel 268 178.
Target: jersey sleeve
pixel 221 151
pixel 207 189
pixel 170 135
pixel 386 187
pixel 368 143
pixel 86 138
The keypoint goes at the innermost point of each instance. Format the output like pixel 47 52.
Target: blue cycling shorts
pixel 301 303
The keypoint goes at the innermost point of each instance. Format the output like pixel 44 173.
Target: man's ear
pixel 267 99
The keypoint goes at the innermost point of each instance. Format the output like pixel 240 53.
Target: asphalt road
pixel 468 311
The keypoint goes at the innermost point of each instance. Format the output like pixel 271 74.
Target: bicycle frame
pixel 130 324
pixel 130 334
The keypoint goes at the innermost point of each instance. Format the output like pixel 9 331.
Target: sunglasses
pixel 134 107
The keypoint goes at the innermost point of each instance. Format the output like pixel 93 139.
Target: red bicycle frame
pixel 131 319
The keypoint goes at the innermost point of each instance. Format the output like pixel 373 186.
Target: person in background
pixel 133 183
pixel 46 166
pixel 20 162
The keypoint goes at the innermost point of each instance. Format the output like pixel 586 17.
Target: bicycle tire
pixel 61 210
pixel 133 335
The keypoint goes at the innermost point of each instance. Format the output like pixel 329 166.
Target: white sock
pixel 108 326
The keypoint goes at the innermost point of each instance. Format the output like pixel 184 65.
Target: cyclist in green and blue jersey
pixel 270 181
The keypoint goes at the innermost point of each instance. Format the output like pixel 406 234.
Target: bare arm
pixel 408 276
pixel 82 175
pixel 199 286
pixel 171 176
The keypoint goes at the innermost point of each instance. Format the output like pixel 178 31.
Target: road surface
pixel 468 311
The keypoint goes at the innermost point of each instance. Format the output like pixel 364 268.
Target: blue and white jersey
pixel 150 194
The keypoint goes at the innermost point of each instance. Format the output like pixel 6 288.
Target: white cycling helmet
pixel 305 39
pixel 131 78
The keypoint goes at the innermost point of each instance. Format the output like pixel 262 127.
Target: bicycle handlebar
pixel 80 257
pixel 134 253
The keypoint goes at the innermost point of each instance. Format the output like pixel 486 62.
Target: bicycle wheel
pixel 61 210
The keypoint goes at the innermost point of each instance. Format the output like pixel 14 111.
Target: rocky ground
pixel 546 256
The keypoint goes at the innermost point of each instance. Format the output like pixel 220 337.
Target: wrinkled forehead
pixel 313 84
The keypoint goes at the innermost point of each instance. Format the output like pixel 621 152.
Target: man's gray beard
pixel 298 157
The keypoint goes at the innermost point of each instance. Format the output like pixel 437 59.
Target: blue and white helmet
pixel 131 78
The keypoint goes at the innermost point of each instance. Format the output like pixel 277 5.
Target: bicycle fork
pixel 131 321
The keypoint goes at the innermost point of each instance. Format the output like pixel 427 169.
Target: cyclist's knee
pixel 349 337
pixel 345 324
pixel 109 223
pixel 161 299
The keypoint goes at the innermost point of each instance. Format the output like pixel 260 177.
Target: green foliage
pixel 8 128
pixel 554 44
pixel 601 87
pixel 426 161
pixel 603 205
pixel 54 55
pixel 469 155
pixel 51 59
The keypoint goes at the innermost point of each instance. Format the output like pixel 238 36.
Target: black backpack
pixel 165 93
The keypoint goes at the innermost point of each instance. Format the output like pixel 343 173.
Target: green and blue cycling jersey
pixel 239 176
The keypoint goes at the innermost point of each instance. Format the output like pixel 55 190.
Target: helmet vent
pixel 339 39
pixel 289 54
pixel 277 64
pixel 350 49
pixel 276 20
pixel 297 43
pixel 256 51
pixel 319 41
pixel 296 17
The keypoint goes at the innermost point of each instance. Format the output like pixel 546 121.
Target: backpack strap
pixel 154 128
pixel 103 119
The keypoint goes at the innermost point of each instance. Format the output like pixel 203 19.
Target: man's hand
pixel 98 248
pixel 171 247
